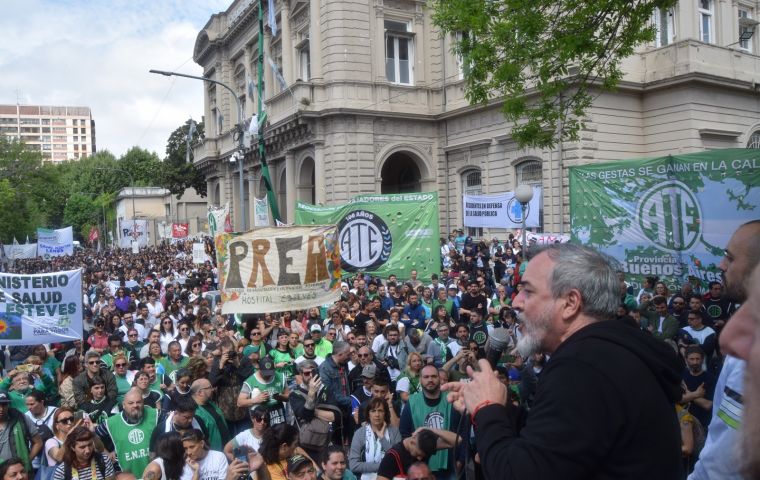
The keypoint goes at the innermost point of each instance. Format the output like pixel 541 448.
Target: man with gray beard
pixel 604 407
pixel 128 435
pixel 721 457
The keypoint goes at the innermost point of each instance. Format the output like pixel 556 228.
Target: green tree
pixel 81 211
pixel 544 58
pixel 144 166
pixel 21 179
pixel 178 173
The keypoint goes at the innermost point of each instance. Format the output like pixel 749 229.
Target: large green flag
pixel 669 217
pixel 383 234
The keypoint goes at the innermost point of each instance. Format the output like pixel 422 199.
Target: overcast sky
pixel 97 54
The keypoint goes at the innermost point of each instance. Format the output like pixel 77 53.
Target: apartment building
pixel 60 133
pixel 375 104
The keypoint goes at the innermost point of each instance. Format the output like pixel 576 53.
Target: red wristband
pixel 477 408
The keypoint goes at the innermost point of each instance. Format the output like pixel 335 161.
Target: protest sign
pixel 41 308
pixel 55 243
pixel 669 217
pixel 133 230
pixel 199 253
pixel 276 269
pixel 543 238
pixel 179 230
pixel 500 210
pixel 383 234
pixel 219 219
pixel 260 212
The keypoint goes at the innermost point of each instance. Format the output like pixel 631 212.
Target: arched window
pixel 530 173
pixel 471 185
pixel 754 140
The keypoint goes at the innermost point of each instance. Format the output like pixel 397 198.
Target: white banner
pixel 16 252
pixel 260 212
pixel 42 308
pixel 199 253
pixel 133 230
pixel 219 219
pixel 55 243
pixel 542 238
pixel 500 210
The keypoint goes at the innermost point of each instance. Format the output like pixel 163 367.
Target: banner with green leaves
pixel 669 217
pixel 383 234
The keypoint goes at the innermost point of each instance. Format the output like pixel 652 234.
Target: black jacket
pixel 604 409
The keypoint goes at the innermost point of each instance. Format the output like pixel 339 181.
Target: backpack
pixel 44 430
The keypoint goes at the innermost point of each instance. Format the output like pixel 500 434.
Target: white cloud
pixel 98 53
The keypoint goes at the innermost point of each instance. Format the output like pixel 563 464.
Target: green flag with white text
pixel 383 234
pixel 669 217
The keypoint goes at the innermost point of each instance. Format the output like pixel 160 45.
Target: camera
pixel 392 362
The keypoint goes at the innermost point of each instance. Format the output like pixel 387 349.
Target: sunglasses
pixel 306 373
pixel 306 345
pixel 66 421
pixel 255 333
pixel 196 344
pixel 183 329
pixel 363 355
pixel 167 322
pixel 93 362
pixel 259 419
pixel 119 365
pixel 132 335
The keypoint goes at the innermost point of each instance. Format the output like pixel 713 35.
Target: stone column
pixel 287 44
pixel 290 187
pixel 315 41
pixel 320 193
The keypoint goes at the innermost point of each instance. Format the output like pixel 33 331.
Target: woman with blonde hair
pixel 408 383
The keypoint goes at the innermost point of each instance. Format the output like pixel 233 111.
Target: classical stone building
pixel 375 104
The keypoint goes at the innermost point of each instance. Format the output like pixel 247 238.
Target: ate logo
pixel 365 241
pixel 136 436
pixel 435 420
pixel 670 216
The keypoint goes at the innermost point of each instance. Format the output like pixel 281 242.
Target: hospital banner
pixel 42 308
pixel 500 210
pixel 219 219
pixel 55 243
pixel 133 231
pixel 276 269
pixel 383 234
pixel 669 217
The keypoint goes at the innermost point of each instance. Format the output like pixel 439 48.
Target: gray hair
pixel 588 271
pixel 307 364
pixel 91 354
pixel 340 347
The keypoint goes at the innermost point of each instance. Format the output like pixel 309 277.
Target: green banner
pixel 383 234
pixel 669 217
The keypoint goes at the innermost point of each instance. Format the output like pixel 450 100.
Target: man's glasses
pixel 119 365
pixel 306 373
pixel 255 333
pixel 363 355
pixel 307 345
pixel 93 362
pixel 132 335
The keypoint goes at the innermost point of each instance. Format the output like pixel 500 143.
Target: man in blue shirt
pixel 413 315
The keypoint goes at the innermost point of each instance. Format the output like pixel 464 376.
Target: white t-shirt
pixel 246 438
pixel 213 467
pixel 317 360
pixel 187 472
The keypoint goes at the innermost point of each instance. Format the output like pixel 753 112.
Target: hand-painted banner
pixel 133 230
pixel 500 210
pixel 219 219
pixel 669 217
pixel 55 243
pixel 383 234
pixel 179 230
pixel 43 308
pixel 542 238
pixel 276 269
pixel 199 252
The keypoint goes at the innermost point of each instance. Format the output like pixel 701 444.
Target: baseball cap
pixel 4 399
pixel 297 462
pixel 369 371
pixel 315 328
pixel 266 366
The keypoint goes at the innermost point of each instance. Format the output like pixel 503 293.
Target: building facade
pixel 59 133
pixel 375 104
pixel 160 208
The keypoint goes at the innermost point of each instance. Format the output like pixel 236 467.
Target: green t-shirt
pixel 279 357
pixel 171 367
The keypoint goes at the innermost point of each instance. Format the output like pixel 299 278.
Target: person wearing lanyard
pixel 81 461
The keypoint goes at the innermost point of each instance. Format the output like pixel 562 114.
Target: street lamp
pixel 239 127
pixel 524 194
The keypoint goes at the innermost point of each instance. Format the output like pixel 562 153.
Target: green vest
pixel 439 417
pixel 275 387
pixel 171 367
pixel 323 348
pixel 132 442
pixel 214 434
pixel 122 387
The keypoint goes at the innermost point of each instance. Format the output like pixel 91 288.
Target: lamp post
pixel 240 158
pixel 524 194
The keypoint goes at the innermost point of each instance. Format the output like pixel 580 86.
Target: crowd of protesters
pixel 162 385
